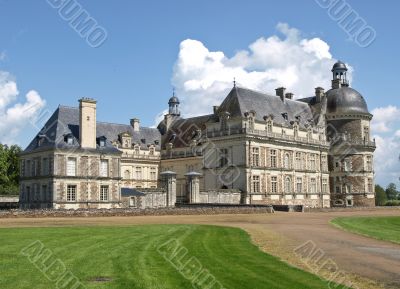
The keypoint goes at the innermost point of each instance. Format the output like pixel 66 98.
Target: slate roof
pixel 184 130
pixel 242 100
pixel 65 121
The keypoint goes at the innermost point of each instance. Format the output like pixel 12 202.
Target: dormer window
pixel 102 141
pixel 137 149
pixel 40 139
pixel 69 139
pixel 151 151
pixel 285 115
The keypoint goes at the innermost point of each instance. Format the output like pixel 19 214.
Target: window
pixel 71 167
pixel 370 186
pixel 223 157
pixel 102 142
pixel 347 165
pixel 366 134
pixel 295 132
pixel 103 168
pixel 286 161
pixel 136 150
pixel 269 126
pixel 273 158
pixel 369 163
pixel 255 153
pixel 324 186
pixel 103 193
pixel 313 185
pixel 324 163
pixel 151 151
pixel 274 184
pixel 251 123
pixel 299 185
pixel 312 162
pixel 256 184
pixel 298 161
pixel 70 140
pixel 44 192
pixel 127 175
pixel 45 166
pixel 288 185
pixel 28 167
pixel 153 174
pixel 138 173
pixel 71 193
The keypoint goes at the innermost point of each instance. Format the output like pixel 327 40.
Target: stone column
pixel 168 179
pixel 193 181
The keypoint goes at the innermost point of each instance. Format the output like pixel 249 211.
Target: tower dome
pixel 345 100
pixel 173 104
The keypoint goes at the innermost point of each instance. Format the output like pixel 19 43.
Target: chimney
pixel 280 91
pixel 319 94
pixel 87 123
pixel 215 108
pixel 289 95
pixel 135 123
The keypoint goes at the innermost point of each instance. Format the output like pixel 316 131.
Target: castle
pixel 254 148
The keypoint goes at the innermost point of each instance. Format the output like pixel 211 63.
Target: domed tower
pixel 351 152
pixel 174 105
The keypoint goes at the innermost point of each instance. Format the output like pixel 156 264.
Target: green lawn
pixel 129 257
pixel 382 228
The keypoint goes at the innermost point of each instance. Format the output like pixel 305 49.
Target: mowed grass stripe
pixel 129 257
pixel 381 228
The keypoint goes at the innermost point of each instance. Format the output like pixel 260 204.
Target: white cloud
pixel 384 117
pixel 386 159
pixel 3 55
pixel 15 116
pixel 203 77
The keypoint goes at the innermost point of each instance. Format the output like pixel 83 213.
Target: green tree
pixel 9 169
pixel 380 197
pixel 391 192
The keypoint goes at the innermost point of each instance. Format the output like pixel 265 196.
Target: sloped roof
pixel 65 121
pixel 241 100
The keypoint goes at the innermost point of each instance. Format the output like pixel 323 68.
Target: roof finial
pixel 173 91
pixel 234 82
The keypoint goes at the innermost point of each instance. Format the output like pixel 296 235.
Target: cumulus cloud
pixel 384 117
pixel 386 159
pixel 385 127
pixel 203 77
pixel 16 114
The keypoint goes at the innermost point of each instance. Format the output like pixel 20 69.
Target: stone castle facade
pixel 254 148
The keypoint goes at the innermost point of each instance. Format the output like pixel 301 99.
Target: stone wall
pixel 220 197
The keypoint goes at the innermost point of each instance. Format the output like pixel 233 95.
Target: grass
pixel 127 257
pixel 381 228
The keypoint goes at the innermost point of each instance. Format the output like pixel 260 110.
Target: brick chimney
pixel 319 93
pixel 87 123
pixel 280 91
pixel 289 95
pixel 135 123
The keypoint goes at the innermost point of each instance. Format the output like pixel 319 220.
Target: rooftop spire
pixel 234 82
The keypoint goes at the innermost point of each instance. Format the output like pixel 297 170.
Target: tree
pixel 9 169
pixel 391 192
pixel 380 196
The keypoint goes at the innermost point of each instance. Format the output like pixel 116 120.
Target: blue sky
pixel 132 73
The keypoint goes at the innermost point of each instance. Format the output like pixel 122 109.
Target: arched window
pixel 286 161
pixel 288 185
pixel 127 175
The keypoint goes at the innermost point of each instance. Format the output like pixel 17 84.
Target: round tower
pixel 351 152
